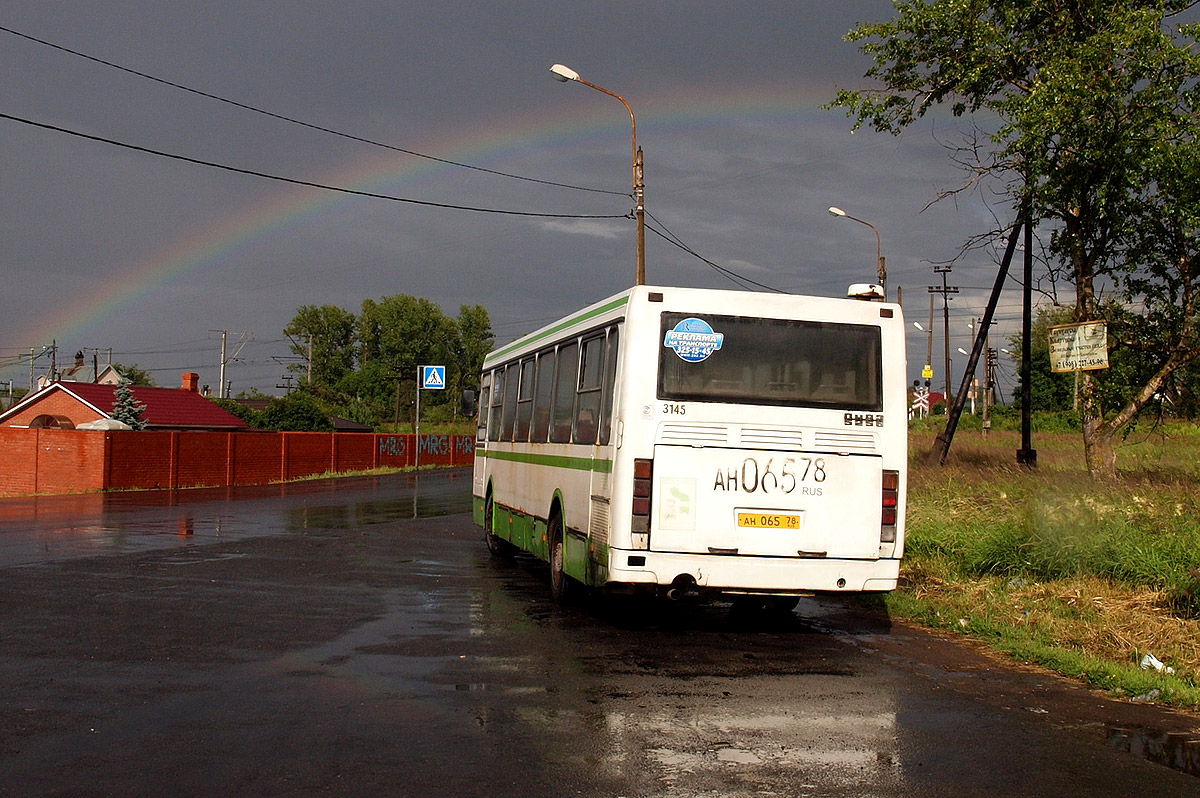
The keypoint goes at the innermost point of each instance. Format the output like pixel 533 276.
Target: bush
pixel 249 415
pixel 297 412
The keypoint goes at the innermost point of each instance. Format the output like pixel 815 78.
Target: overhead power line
pixel 308 183
pixel 725 272
pixel 302 123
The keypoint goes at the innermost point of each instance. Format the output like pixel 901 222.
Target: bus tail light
pixel 643 473
pixel 891 504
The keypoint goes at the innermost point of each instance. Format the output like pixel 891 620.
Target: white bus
pixel 699 442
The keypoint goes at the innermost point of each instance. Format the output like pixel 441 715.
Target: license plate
pixel 768 520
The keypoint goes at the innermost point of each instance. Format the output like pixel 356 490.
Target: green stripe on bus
pixel 551 460
pixel 616 303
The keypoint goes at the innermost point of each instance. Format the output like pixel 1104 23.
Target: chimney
pixel 191 382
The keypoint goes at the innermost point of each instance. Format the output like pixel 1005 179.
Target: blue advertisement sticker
pixel 693 340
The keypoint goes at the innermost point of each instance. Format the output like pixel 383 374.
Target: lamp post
pixel 974 382
pixel 879 262
pixel 927 372
pixel 566 74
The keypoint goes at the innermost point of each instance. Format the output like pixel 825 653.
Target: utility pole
pixel 396 418
pixel 975 395
pixel 944 290
pixel 1027 455
pixel 989 383
pixel 310 350
pixel 929 351
pixel 941 446
pixel 224 391
pixel 221 378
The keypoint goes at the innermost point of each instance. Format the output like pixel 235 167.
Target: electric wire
pixel 729 274
pixel 307 183
pixel 302 123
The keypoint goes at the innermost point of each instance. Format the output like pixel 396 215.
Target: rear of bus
pixel 762 445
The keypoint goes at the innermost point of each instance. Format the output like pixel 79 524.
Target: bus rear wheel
pixel 497 546
pixel 561 587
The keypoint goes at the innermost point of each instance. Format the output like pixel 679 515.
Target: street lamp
pixel 973 383
pixel 565 74
pixel 878 246
pixel 927 372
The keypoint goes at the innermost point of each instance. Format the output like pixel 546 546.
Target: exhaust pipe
pixel 682 586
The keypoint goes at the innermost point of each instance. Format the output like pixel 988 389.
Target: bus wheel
pixel 499 547
pixel 560 583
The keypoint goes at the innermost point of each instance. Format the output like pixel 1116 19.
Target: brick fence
pixel 40 461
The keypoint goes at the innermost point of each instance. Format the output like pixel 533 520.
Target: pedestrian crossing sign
pixel 433 377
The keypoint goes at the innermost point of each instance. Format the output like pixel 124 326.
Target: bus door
pixel 593 425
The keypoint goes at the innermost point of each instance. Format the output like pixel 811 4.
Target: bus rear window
pixel 745 360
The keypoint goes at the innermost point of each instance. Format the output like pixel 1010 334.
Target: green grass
pixel 1052 567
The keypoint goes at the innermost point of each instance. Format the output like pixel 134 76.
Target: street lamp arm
pixel 632 119
pixel 879 262
pixel 565 74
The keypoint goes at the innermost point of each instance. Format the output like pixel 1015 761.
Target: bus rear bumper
pixel 740 574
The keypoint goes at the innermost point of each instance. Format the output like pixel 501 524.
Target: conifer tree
pixel 127 409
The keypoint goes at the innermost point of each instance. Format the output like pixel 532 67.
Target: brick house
pixel 66 405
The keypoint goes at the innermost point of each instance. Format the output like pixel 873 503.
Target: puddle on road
pixel 381 511
pixel 1177 750
pixel 43 529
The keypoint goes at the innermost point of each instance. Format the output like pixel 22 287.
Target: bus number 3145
pixel 754 476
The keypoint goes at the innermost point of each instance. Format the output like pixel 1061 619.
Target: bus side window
pixel 544 392
pixel 565 375
pixel 524 401
pixel 485 408
pixel 587 404
pixel 497 400
pixel 509 416
pixel 610 384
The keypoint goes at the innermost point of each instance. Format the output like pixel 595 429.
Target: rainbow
pixel 292 206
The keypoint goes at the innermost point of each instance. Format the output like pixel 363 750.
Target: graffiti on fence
pixel 395 445
pixel 435 444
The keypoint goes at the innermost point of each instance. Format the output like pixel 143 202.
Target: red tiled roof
pixel 165 407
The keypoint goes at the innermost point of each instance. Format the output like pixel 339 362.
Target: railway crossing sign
pixel 920 403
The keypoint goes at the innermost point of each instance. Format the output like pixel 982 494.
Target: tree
pixel 233 406
pixel 365 366
pixel 1048 391
pixel 127 409
pixel 132 375
pixel 295 412
pixel 404 332
pixel 475 340
pixel 1093 105
pixel 323 336
pixel 368 394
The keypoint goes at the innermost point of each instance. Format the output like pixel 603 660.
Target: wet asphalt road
pixel 353 637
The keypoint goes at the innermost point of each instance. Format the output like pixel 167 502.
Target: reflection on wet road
pixel 316 639
pixel 37 529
